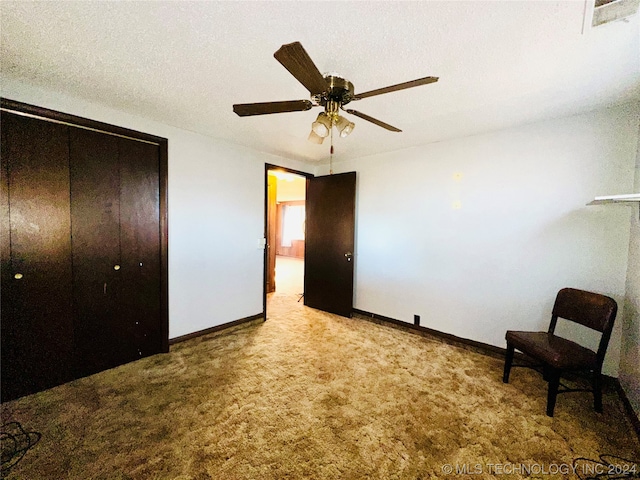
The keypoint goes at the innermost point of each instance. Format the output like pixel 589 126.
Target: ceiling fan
pixel 329 91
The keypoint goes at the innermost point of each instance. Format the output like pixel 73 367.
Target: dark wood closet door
pixel 140 245
pixel 37 319
pixel 103 337
pixel 83 247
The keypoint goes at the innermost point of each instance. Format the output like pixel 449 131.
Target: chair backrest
pixel 592 310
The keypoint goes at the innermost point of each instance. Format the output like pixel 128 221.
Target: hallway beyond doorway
pixel 289 275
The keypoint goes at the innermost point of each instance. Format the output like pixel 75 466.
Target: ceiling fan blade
pixel 248 109
pixel 395 88
pixel 373 120
pixel 294 58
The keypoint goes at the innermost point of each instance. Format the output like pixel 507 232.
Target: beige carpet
pixel 312 395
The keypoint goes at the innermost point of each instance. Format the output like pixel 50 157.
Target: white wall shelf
pixel 628 199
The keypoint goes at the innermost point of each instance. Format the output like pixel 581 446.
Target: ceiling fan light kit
pixel 330 91
pixel 328 119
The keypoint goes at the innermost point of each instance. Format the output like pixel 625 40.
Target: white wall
pixel 630 351
pixel 521 232
pixel 216 215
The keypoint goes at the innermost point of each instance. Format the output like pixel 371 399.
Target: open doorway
pixel 325 253
pixel 285 232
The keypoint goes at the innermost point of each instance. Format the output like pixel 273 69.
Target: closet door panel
pixel 5 224
pixel 101 335
pixel 37 315
pixel 140 244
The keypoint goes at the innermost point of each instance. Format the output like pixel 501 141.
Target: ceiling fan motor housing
pixel 339 90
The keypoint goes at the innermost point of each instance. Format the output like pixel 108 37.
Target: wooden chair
pixel 558 355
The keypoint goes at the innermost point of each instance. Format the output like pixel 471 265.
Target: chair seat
pixel 552 350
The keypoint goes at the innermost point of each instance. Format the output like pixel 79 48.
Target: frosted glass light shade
pixel 315 138
pixel 322 125
pixel 347 130
pixel 344 126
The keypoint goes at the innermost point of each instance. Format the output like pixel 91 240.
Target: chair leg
pixel 597 391
pixel 508 360
pixel 554 383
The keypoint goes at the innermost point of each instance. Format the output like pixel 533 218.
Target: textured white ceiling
pixel 500 63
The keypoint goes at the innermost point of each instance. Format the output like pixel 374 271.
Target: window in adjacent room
pixel 292 224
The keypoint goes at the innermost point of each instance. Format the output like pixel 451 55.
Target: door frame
pixel 265 260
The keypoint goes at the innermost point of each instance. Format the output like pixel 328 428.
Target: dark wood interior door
pixel 330 231
pixel 37 317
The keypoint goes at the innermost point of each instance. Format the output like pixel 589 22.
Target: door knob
pixel 17 276
pixel 116 267
pixel 348 255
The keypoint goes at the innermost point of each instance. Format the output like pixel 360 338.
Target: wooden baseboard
pixel 465 343
pixel 633 416
pixel 224 326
